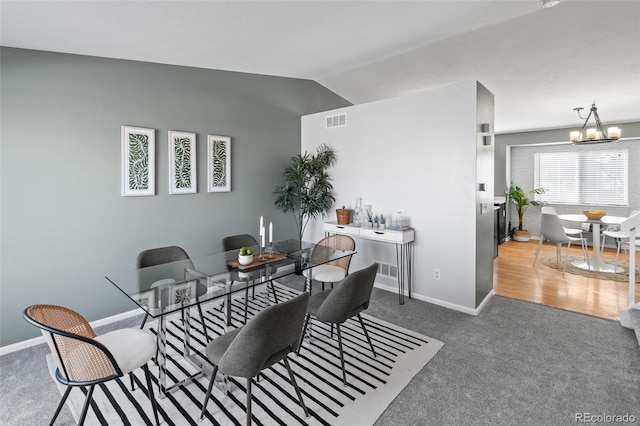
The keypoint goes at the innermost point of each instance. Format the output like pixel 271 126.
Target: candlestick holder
pixel 270 251
pixel 262 257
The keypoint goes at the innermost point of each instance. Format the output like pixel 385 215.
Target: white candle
pixel 591 134
pixel 574 136
pixel 262 236
pixel 261 227
pixel 270 232
pixel 613 132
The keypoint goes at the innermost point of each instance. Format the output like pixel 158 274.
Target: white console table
pixel 403 241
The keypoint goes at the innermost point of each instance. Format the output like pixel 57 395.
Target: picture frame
pixel 138 153
pixel 218 163
pixel 182 162
pixel 182 293
pixel 146 299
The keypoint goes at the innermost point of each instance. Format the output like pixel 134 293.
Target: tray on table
pixel 275 257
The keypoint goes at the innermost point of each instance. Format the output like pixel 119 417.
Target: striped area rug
pixel 372 382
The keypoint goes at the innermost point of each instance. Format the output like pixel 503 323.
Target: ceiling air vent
pixel 336 121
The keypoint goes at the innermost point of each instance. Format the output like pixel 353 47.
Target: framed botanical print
pixel 138 161
pixel 147 299
pixel 181 294
pixel 182 162
pixel 218 163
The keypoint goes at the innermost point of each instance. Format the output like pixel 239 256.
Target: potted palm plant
pixel 521 200
pixel 306 190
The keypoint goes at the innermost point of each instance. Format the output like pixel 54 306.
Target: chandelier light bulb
pixel 613 132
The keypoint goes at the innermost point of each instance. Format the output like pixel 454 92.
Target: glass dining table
pixel 176 287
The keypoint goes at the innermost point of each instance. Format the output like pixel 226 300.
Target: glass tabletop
pixel 169 287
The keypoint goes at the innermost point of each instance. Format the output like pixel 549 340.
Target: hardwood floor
pixel 515 277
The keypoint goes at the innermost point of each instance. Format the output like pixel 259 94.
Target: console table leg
pixel 400 262
pixel 410 266
pixel 404 258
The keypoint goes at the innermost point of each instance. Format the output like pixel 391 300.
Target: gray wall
pixel 532 217
pixel 544 136
pixel 484 221
pixel 523 171
pixel 64 224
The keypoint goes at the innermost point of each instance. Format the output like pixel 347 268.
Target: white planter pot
pixel 521 236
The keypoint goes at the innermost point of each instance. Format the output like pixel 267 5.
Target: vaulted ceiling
pixel 539 63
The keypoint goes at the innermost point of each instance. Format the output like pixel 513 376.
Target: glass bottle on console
pixel 358 213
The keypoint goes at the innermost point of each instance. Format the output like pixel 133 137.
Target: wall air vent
pixel 387 269
pixel 336 121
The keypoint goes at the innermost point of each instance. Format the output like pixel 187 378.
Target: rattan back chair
pixel 84 359
pixel 336 270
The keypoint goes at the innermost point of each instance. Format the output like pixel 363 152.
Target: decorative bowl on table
pixel 594 214
pixel 245 260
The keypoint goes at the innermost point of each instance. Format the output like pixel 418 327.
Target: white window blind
pixel 598 177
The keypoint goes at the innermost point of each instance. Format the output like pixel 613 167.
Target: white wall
pixel 419 154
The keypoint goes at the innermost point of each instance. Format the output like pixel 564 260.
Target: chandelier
pixel 593 134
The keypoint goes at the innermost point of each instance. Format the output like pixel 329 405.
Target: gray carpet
pixel 515 363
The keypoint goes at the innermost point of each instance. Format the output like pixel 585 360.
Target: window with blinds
pixel 595 177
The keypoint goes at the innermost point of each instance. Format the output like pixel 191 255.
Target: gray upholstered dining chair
pixel 334 271
pixel 265 340
pixel 84 359
pixel 348 299
pixel 235 242
pixel 165 255
pixel 551 230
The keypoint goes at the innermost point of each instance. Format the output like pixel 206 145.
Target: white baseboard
pixel 439 302
pixel 94 324
pixel 485 301
pixel 124 315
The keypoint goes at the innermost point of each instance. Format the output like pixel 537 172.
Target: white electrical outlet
pixel 436 274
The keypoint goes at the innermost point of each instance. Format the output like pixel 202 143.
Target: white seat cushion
pixel 617 234
pixel 162 282
pixel 326 273
pixel 131 347
pixel 572 231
